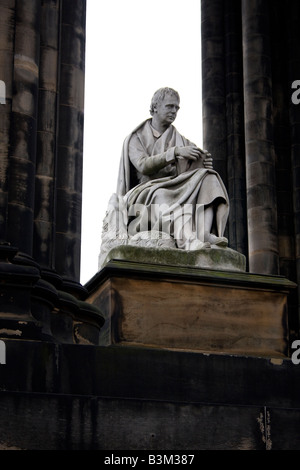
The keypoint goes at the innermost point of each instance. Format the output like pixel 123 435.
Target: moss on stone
pixel 221 259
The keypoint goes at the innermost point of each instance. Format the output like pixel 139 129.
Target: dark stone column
pixel 294 115
pixel 260 157
pixel 36 302
pixel 19 273
pixel 284 45
pixel 213 83
pixel 7 26
pixel 260 64
pixel 223 115
pixel 45 178
pixel 237 223
pixel 23 125
pixel 70 149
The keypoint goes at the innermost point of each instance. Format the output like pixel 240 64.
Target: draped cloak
pixel 182 186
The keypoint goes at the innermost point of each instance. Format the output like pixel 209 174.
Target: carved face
pixel 166 111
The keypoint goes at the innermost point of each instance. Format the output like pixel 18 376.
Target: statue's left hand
pixel 207 159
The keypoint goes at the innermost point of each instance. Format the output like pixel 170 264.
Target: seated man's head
pixel 165 105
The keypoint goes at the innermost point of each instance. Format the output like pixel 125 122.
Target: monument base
pixel 223 259
pixel 194 309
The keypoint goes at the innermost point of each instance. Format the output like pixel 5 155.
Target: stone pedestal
pixel 222 259
pixel 186 308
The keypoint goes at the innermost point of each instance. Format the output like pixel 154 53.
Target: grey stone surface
pixel 222 259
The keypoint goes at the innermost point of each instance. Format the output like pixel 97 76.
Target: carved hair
pixel 159 95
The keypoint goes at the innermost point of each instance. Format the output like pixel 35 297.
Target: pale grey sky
pixel 133 47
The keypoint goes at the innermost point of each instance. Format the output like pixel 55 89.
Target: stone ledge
pixel 220 259
pixel 151 270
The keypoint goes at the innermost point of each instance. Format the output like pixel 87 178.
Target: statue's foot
pixel 218 241
pixel 198 245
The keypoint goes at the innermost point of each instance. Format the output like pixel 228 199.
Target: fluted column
pixel 260 158
pixel 294 115
pixel 22 156
pixel 222 100
pixel 70 145
pixel 45 178
pixel 213 83
pixel 41 297
pixel 237 222
pixel 7 26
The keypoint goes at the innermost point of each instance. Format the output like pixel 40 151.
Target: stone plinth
pixel 223 259
pixel 189 308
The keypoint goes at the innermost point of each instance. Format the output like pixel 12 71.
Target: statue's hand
pixel 207 159
pixel 191 152
pixel 208 163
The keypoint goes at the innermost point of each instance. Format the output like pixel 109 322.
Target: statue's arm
pixel 190 150
pixel 149 164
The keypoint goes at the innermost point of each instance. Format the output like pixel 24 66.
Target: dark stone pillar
pixel 283 46
pixel 213 83
pixel 222 91
pixel 23 125
pixel 7 26
pixel 41 297
pixel 45 177
pixel 70 148
pixel 260 156
pixel 19 59
pixel 237 223
pixel 261 61
pixel 294 74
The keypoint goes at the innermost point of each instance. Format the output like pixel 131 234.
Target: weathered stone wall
pixel 70 397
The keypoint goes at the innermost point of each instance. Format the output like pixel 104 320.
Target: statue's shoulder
pixel 137 130
pixel 140 127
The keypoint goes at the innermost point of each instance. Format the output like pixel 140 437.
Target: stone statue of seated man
pixel 168 193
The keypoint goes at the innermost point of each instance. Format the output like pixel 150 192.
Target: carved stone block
pixel 192 309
